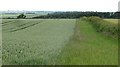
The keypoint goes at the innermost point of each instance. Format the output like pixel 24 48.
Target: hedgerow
pixel 102 25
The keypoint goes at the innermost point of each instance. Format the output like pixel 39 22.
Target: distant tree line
pixel 70 15
pixel 73 15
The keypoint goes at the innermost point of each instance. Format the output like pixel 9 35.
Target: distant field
pixel 113 20
pixel 27 15
pixel 56 41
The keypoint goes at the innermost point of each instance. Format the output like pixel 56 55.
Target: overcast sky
pixel 60 5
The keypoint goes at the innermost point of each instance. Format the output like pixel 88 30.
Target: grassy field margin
pixel 88 47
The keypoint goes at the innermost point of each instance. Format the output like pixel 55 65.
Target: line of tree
pixel 73 15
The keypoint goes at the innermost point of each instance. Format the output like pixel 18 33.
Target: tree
pixel 21 16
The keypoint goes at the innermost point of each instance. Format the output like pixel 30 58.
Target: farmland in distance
pixel 115 21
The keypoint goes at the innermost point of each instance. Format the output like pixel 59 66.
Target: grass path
pixel 88 47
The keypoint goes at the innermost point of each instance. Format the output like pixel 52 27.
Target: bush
pixel 21 16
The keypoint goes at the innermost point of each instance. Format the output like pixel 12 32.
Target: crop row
pixel 24 26
pixel 17 25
